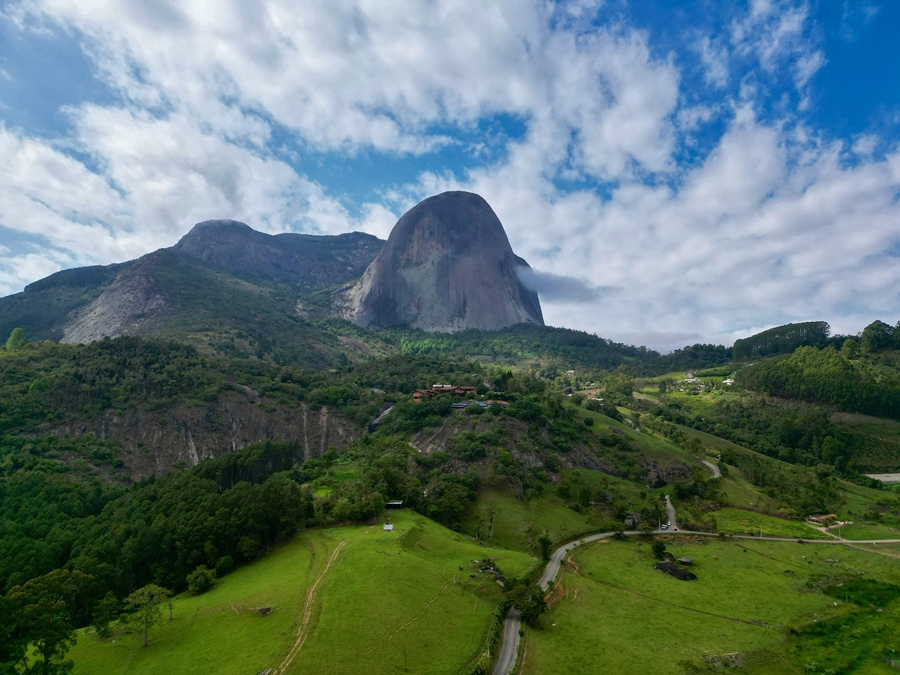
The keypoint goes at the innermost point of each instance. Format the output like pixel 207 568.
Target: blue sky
pixel 697 170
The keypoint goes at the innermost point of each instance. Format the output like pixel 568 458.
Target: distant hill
pixel 782 340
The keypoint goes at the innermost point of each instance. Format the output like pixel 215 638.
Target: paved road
pixel 670 513
pixel 713 468
pixel 510 647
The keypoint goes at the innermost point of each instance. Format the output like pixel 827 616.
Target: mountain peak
pixel 446 266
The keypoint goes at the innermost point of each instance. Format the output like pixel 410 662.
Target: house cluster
pixel 455 390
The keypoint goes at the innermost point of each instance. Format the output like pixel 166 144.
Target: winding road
pixel 713 468
pixel 509 649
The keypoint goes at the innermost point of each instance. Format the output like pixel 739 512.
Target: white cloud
pixel 714 57
pixel 865 145
pixel 18 270
pixel 780 35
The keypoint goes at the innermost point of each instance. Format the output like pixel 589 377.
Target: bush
pixel 201 580
pixel 589 421
pixel 224 565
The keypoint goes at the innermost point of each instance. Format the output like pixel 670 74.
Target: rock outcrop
pixel 132 300
pixel 447 266
pixel 152 442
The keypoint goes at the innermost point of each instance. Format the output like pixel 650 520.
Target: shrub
pixel 201 580
pixel 224 565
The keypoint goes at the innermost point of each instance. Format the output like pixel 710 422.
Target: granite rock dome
pixel 447 266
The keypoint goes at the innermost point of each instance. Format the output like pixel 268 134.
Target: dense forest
pixel 827 376
pixel 782 340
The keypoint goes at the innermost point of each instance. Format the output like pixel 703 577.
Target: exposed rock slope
pixel 152 442
pixel 130 301
pixel 447 266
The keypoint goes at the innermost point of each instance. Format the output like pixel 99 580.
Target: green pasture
pixel 737 521
pixel 742 494
pixel 513 517
pixel 390 598
pixel 617 614
pixel 863 531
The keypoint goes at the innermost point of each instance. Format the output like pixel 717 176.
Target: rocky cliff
pixel 152 442
pixel 447 266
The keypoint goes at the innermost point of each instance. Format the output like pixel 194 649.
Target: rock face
pixel 121 308
pixel 305 260
pixel 447 266
pixel 152 442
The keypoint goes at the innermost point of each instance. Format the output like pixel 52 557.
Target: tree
pixel 877 335
pixel 224 565
pixel 546 546
pixel 201 580
pixel 12 646
pixel 528 599
pixel 16 340
pixel 658 549
pixel 144 607
pixel 850 348
pixel 44 608
pixel 106 609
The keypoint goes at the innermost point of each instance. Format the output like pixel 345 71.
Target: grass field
pixel 513 517
pixel 736 521
pixel 387 597
pixel 859 498
pixel 867 532
pixel 741 494
pixel 617 614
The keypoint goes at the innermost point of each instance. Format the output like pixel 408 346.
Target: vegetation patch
pixel 737 521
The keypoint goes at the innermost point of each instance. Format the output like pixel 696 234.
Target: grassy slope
pixel 378 583
pixel 513 517
pixel 655 447
pixel 618 614
pixel 737 521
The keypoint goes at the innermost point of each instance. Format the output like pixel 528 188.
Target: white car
pixel 665 526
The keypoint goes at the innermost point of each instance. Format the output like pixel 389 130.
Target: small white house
pixel 388 527
pixel 728 381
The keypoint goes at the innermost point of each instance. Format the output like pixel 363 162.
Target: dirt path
pixel 307 613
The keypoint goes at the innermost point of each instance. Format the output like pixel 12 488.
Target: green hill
pixel 408 599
